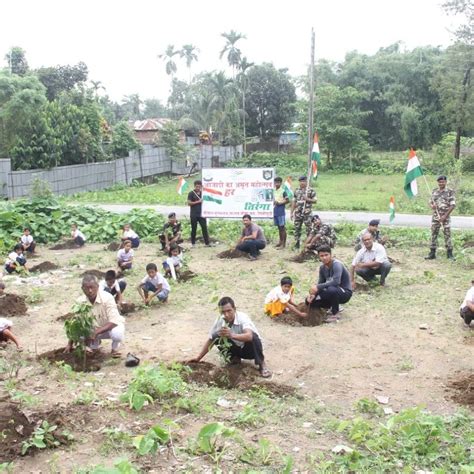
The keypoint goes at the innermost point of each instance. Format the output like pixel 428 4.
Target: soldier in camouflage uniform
pixel 301 207
pixel 372 229
pixel 320 234
pixel 443 201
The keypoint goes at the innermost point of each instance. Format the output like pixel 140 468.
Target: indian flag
pixel 391 209
pixel 287 188
pixel 212 195
pixel 413 171
pixel 182 185
pixel 315 156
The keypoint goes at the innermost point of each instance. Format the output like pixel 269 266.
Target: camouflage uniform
pixel 443 200
pixel 303 216
pixel 327 234
pixel 375 235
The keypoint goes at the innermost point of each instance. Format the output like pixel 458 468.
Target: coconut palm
pixel 167 56
pixel 242 79
pixel 188 51
pixel 233 53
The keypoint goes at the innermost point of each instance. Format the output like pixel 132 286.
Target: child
pixel 173 263
pixel 154 284
pixel 129 234
pixel 115 287
pixel 168 238
pixel 467 308
pixel 125 256
pixel 6 333
pixel 280 300
pixel 15 259
pixel 27 241
pixel 77 235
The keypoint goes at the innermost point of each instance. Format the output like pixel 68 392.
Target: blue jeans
pixel 162 295
pixel 252 247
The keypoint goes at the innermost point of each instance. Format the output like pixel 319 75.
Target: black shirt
pixel 194 196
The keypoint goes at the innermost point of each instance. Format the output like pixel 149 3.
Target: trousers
pixel 331 297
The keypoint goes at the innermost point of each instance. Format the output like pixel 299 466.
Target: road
pixel 404 220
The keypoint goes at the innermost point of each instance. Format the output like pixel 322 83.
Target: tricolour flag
pixel 413 171
pixel 182 185
pixel 315 156
pixel 391 209
pixel 287 188
pixel 216 198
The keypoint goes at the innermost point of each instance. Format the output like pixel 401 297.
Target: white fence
pixel 149 162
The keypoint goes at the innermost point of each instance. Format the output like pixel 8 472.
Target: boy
pixel 168 238
pixel 154 284
pixel 15 259
pixel 27 241
pixel 115 287
pixel 125 256
pixel 130 235
pixel 467 308
pixel 6 333
pixel 77 236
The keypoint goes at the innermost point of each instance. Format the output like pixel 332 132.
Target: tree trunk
pixel 459 129
pixel 245 131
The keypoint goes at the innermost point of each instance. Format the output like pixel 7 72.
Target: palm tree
pixel 167 56
pixel 233 53
pixel 189 51
pixel 243 66
pixel 96 85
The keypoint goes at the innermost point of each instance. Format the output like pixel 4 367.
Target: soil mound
pixel 93 362
pixel 113 246
pixel 12 305
pixel 315 317
pixel 44 267
pixel 186 276
pixel 232 253
pixel 67 244
pixel 128 308
pixel 304 257
pixel 463 388
pixel 15 428
pixel 242 377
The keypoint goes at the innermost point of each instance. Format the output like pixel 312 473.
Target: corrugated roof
pixel 150 124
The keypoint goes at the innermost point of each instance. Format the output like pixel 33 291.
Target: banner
pixel 233 192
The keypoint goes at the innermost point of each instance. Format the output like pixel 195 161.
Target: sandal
pixel 116 354
pixel 265 373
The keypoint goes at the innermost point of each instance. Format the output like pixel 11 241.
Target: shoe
pixel 450 255
pixel 252 258
pixel 432 255
pixel 334 318
pixel 297 245
pixel 329 312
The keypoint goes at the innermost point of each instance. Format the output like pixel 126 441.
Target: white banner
pixel 233 192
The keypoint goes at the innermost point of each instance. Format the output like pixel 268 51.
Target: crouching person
pixel 108 322
pixel 467 308
pixel 236 337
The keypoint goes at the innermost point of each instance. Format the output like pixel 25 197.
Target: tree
pixel 131 107
pixel 189 52
pixel 16 59
pixel 123 140
pixel 244 65
pixel 465 32
pixel 270 100
pixel 154 109
pixel 233 53
pixel 96 86
pixel 169 138
pixel 60 79
pixel 167 57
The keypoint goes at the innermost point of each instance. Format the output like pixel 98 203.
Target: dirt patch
pixel 315 317
pixel 469 340
pixel 232 253
pixel 186 276
pixel 468 244
pixel 113 246
pixel 65 317
pixel 12 305
pixel 463 388
pixel 212 240
pixel 362 287
pixel 44 267
pixel 15 428
pixel 303 257
pixel 67 244
pixel 241 377
pixel 93 361
pixel 128 308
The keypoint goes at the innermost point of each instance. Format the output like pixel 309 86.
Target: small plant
pixel 86 397
pixel 42 438
pixel 249 416
pixel 115 440
pixel 11 363
pixel 36 296
pixel 121 466
pixel 371 407
pixel 210 440
pixel 152 440
pixel 23 398
pixel 79 328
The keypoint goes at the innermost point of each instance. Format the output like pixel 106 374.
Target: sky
pixel 120 40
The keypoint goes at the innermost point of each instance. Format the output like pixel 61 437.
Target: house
pixel 147 131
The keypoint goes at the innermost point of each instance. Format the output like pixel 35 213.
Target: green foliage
pixel 151 441
pixel 210 440
pixel 79 327
pixel 35 296
pixel 153 383
pixel 42 438
pixel 371 407
pixel 121 466
pixel 123 141
pixel 169 138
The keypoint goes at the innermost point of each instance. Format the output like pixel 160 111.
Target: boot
pixel 432 255
pixel 297 245
pixel 449 254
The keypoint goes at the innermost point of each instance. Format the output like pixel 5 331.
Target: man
pixel 373 229
pixel 171 233
pixel 467 308
pixel 279 203
pixel 320 234
pixel 108 322
pixel 252 239
pixel 236 337
pixel 443 201
pixel 195 203
pixel 301 207
pixel 370 260
pixel 333 287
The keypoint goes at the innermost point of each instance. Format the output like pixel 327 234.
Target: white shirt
pixel 26 239
pixel 468 298
pixel 175 260
pixel 376 254
pixel 241 322
pixel 77 233
pixel 129 234
pixel 104 309
pixel 12 256
pixel 125 256
pixel 5 324
pixel 158 279
pixel 103 285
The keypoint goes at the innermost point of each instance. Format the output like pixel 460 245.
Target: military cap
pixel 302 178
pixel 439 178
pixel 374 222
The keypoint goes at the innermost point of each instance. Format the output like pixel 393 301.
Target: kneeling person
pixel 320 234
pixel 237 328
pixel 153 284
pixel 333 287
pixel 115 287
pixel 467 308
